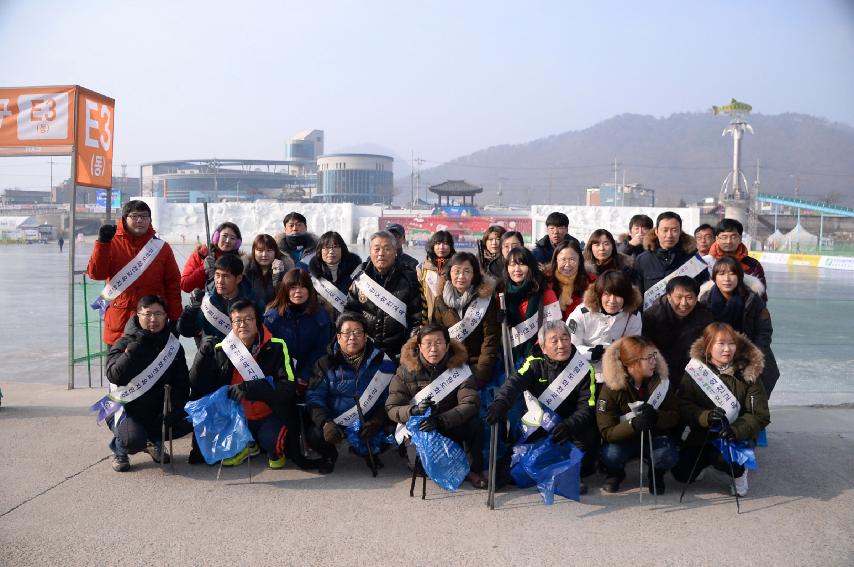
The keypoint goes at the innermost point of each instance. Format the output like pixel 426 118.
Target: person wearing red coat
pixel 199 269
pixel 116 246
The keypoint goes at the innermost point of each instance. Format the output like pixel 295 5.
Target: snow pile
pixel 584 220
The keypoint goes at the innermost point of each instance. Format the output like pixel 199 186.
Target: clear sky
pixel 196 79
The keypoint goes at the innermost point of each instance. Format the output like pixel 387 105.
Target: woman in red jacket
pixel 199 269
pixel 567 275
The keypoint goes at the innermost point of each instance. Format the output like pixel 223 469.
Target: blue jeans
pixel 665 451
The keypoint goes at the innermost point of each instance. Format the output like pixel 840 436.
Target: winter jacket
pixel 193 276
pixel 265 285
pixel 544 249
pixel 755 324
pixel 483 343
pixel 427 272
pixel 619 392
pixel 335 383
pixel 406 260
pixel 132 353
pixel 209 373
pixel 619 261
pixel 298 246
pixel 751 266
pixel 536 374
pixel 628 249
pixel 742 379
pixel 673 335
pixel 307 335
pixel 555 286
pixel 388 334
pixel 656 263
pixel 412 375
pixel 160 278
pixel 343 277
pixel 520 352
pixel 590 326
pixel 193 322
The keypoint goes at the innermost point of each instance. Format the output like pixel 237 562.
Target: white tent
pixel 775 240
pixel 799 240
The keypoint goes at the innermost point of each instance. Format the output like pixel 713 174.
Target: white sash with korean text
pixel 369 397
pixel 126 277
pixel 382 298
pixel 327 290
pixel 714 388
pixel 241 358
pixel 438 389
pixel 140 384
pixel 557 392
pixel 527 329
pixel 691 268
pixel 469 322
pixel 215 317
pixel 654 400
pixel 431 278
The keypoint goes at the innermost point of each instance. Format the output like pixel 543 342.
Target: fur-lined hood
pixel 412 364
pixel 689 245
pixel 753 283
pixel 616 375
pixel 632 304
pixel 485 289
pixel 748 359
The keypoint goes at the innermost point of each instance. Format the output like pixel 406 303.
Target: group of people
pixel 613 340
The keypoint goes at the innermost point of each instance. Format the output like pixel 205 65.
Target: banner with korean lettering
pixel 37 120
pixel 94 139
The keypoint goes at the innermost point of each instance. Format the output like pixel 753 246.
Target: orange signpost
pixel 94 139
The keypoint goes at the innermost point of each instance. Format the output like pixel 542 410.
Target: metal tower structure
pixel 734 190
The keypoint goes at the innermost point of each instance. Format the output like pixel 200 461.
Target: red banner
pixel 466 230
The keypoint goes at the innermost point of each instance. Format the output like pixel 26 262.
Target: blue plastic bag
pixel 358 444
pixel 740 453
pixel 555 469
pixel 443 459
pixel 219 425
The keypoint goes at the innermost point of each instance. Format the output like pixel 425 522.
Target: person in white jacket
pixel 608 312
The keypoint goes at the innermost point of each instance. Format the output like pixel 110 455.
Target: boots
pixel 658 487
pixel 612 481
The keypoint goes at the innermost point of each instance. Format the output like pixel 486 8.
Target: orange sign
pixel 94 139
pixel 37 120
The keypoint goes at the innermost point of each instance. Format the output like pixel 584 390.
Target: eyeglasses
pixel 728 237
pixel 152 315
pixel 139 216
pixel 352 334
pixel 651 357
pixel 240 322
pixel 430 345
pixel 463 272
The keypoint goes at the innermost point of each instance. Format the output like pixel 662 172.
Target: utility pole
pixel 615 182
pixel 411 179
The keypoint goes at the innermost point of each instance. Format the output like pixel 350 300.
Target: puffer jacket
pixel 123 365
pixel 412 375
pixel 655 263
pixel 428 278
pixel 193 321
pixel 209 373
pixel 483 342
pixel 307 335
pixel 755 324
pixel 742 379
pixel 536 374
pixel 335 383
pixel 344 276
pixel 543 250
pixel 385 331
pixel 160 278
pixel 590 326
pixel 673 335
pixel 618 393
pixel 265 285
pixel 298 246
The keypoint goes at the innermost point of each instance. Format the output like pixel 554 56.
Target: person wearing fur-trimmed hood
pixel 636 377
pixel 738 364
pixel 666 249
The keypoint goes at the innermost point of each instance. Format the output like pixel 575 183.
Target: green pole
pixel 86 326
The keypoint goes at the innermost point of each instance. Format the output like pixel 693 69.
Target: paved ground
pixel 61 504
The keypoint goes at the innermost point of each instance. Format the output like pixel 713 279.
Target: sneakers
pixel 740 485
pixel 155 451
pixel 121 463
pixel 277 463
pixel 612 481
pixel 250 450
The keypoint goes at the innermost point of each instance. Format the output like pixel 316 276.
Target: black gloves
pixel 210 261
pixel 196 297
pixel 429 424
pixel 207 346
pixel 422 407
pixel 562 432
pixel 718 417
pixel 369 429
pixel 497 411
pixel 727 434
pixel 106 233
pixel 332 433
pixel 237 392
pixel 645 418
pixel 596 353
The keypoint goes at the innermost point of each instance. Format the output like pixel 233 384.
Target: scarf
pixel 455 300
pixel 489 256
pixel 731 311
pixel 514 297
pixel 740 254
pixel 355 360
pixel 567 285
pixel 333 271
